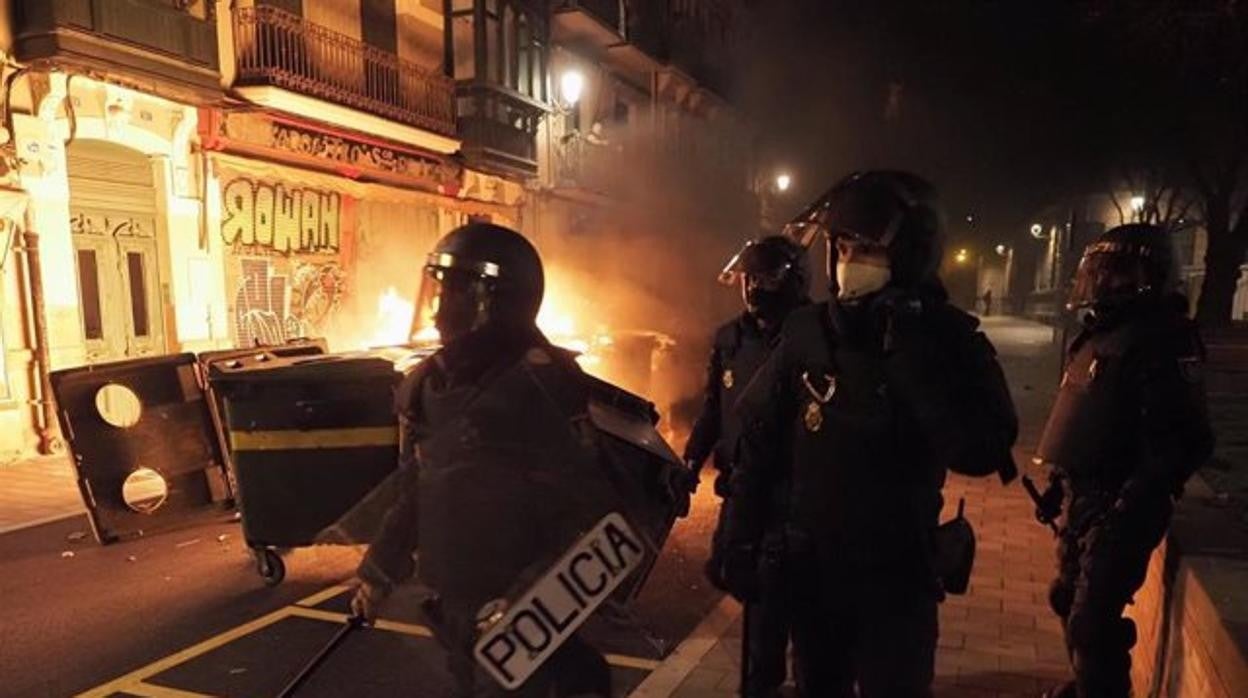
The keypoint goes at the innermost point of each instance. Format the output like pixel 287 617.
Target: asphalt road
pixel 77 615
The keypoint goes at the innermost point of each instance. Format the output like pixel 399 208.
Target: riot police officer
pixel 1127 429
pixel 496 452
pixel 862 405
pixel 775 279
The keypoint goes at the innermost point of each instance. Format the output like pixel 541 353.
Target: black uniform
pixel 500 478
pixel 1128 428
pixel 862 409
pixel 741 346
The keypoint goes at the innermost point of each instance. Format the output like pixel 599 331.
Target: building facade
pixel 184 175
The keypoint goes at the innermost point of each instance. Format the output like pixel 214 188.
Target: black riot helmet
pixel 479 275
pixel 775 276
pixel 1123 264
pixel 891 209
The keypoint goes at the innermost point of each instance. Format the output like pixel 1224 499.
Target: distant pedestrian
pixel 987 301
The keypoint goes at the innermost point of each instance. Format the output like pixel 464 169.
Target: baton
pixel 1038 501
pixel 353 623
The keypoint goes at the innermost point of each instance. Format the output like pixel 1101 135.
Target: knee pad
pixel 1088 632
pixel 1061 598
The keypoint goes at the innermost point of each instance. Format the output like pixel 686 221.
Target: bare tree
pixel 1191 59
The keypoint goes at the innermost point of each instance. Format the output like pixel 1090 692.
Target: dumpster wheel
pixel 270 566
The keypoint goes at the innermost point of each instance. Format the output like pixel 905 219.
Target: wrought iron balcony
pixel 499 128
pixel 283 50
pixel 593 21
pixel 161 39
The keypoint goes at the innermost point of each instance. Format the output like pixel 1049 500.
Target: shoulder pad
pixel 559 376
pixel 728 336
pixel 407 394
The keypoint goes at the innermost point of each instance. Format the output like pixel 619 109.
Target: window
pixel 138 294
pixel 89 287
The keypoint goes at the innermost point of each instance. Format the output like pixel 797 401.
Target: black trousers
pixel 1103 556
pixel 768 634
pixel 877 634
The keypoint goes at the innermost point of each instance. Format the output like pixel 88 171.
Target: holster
pixel 953 552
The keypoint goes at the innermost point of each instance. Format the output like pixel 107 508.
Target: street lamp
pixel 962 255
pixel 571 86
pixel 1001 249
pixel 1037 231
pixel 1137 203
pixel 783 182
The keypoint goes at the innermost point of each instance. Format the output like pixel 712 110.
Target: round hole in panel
pixel 144 490
pixel 118 405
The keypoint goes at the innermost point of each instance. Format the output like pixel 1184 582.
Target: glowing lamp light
pixel 571 86
pixel 961 256
pixel 1001 250
pixel 1137 203
pixel 1037 230
pixel 783 182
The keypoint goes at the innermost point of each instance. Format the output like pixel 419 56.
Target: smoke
pixel 633 236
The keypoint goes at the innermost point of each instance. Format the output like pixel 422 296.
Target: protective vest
pixel 508 477
pixel 1129 394
pixel 741 352
pixel 859 487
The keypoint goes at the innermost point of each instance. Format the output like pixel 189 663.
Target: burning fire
pixel 394 319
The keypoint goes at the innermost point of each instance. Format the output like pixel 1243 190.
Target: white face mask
pixel 855 279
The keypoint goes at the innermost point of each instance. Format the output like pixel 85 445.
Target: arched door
pixel 112 212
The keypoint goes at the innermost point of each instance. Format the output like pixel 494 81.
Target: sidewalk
pixel 37 491
pixel 999 641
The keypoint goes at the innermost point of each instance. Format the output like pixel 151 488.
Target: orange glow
pixel 394 318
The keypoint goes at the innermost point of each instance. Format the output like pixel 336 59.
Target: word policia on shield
pixel 557 604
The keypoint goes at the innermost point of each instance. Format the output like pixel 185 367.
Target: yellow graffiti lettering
pixel 238 200
pixel 264 215
pixel 286 219
pixel 309 220
pixel 329 221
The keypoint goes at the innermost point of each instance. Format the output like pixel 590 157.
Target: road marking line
pixel 381 624
pixel 626 662
pixel 150 690
pixel 123 683
pixel 618 660
pixel 134 682
pixel 664 681
pixel 323 595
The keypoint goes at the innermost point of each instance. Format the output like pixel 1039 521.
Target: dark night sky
pixel 993 101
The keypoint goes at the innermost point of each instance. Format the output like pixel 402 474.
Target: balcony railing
pixel 499 128
pixel 284 50
pixel 120 36
pixel 606 11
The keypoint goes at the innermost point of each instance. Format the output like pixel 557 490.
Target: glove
pixel 739 571
pixel 679 484
pixel 368 600
pixel 1049 508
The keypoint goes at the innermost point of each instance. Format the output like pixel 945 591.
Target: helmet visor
pixel 1109 273
pixel 453 300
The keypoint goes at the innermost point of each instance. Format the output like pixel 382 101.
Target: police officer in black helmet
pixel 775 279
pixel 862 405
pixel 1128 428
pixel 496 458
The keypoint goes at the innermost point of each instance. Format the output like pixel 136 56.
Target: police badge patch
pixel 728 379
pixel 813 417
